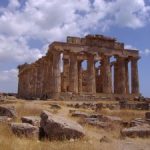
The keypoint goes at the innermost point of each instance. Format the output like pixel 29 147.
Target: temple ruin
pixel 87 68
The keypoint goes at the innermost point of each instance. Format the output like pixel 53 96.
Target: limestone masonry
pixel 111 70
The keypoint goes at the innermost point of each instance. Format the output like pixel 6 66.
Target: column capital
pixel 135 58
pixel 90 54
pixel 56 52
pixel 104 56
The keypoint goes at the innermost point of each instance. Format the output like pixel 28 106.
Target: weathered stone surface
pixel 53 82
pixel 138 122
pixel 95 122
pixel 137 131
pixel 55 106
pixel 33 120
pixel 80 114
pixel 112 119
pixel 96 116
pixel 105 139
pixel 8 111
pixel 5 119
pixel 147 115
pixel 99 106
pixel 25 130
pixel 59 128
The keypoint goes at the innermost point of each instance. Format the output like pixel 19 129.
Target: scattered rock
pixel 5 119
pixel 8 111
pixel 112 119
pixel 137 131
pixel 33 120
pixel 80 114
pixel 125 124
pixel 105 139
pixel 97 116
pixel 99 106
pixel 59 128
pixel 77 105
pixel 123 104
pixel 138 122
pixel 72 111
pixel 55 106
pixel 147 115
pixel 25 130
pixel 97 123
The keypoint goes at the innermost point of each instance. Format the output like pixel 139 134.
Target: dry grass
pixel 124 114
pixel 9 141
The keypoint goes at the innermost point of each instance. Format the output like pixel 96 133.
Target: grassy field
pixel 8 141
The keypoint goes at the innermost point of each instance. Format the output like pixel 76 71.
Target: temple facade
pixel 94 65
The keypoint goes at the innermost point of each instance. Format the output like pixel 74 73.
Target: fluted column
pixel 106 75
pixel 80 76
pixel 127 76
pixel 50 76
pixel 73 73
pixel 116 80
pixel 65 79
pixel 34 80
pixel 134 76
pixel 56 75
pixel 45 79
pixel 91 86
pixel 121 87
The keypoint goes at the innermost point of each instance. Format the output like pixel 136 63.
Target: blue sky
pixel 28 26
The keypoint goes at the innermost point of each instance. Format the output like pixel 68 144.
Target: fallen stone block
pixel 55 106
pixel 112 119
pixel 138 122
pixel 33 120
pixel 80 114
pixel 8 111
pixel 97 116
pixel 25 130
pixel 5 119
pixel 105 139
pixel 137 131
pixel 147 115
pixel 96 123
pixel 59 128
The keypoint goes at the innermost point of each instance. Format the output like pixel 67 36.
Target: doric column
pixel 56 75
pixel 121 88
pixel 116 78
pixel 73 73
pixel 31 82
pixel 39 80
pixel 65 77
pixel 134 76
pixel 80 76
pixel 106 74
pixel 50 75
pixel 34 80
pixel 127 76
pixel 45 79
pixel 97 79
pixel 91 86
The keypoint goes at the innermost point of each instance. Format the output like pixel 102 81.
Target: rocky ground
pixel 61 125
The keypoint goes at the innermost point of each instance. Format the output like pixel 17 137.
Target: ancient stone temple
pixel 92 67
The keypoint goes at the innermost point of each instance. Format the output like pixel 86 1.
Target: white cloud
pixel 146 52
pixel 49 20
pixel 133 14
pixel 8 80
pixel 13 50
pixel 13 4
pixel 130 47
